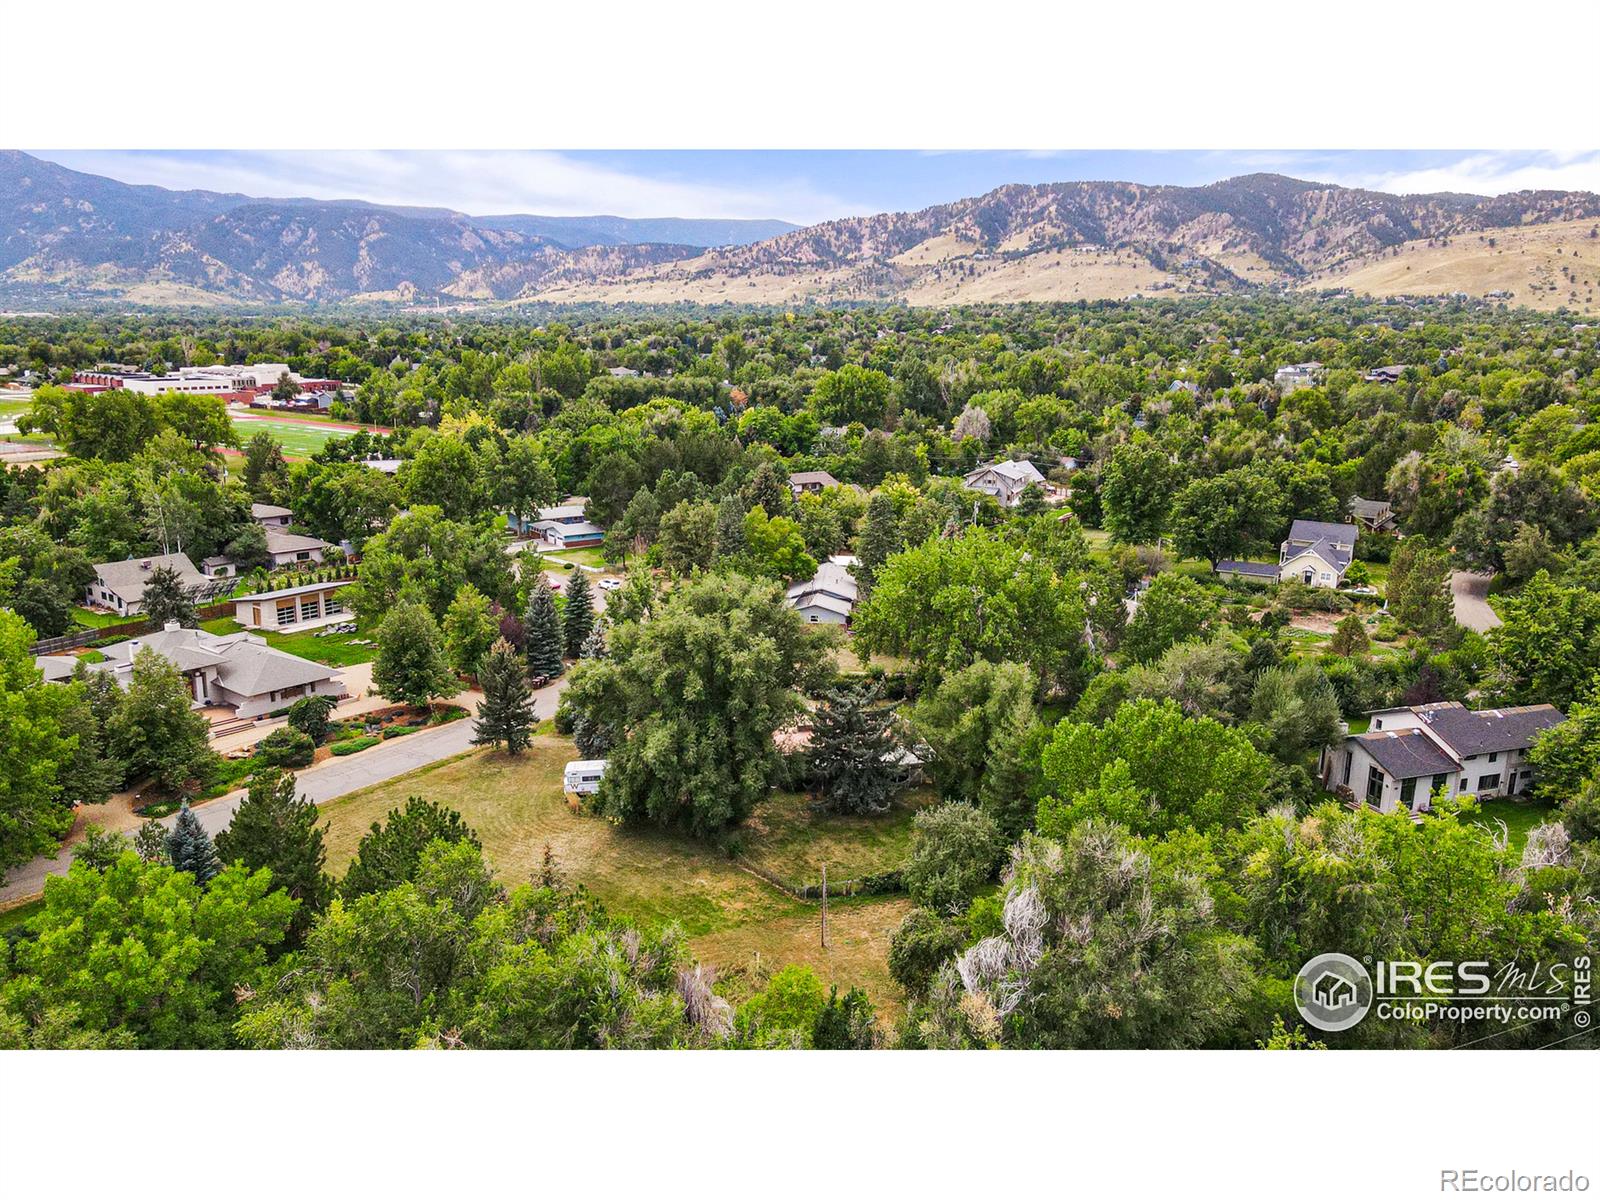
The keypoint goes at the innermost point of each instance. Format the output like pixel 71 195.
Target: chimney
pixel 170 626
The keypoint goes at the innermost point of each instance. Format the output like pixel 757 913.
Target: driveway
pixel 326 781
pixel 1467 591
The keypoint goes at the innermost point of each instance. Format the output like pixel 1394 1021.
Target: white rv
pixel 583 777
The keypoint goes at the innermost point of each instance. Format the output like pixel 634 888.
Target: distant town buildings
pixel 1297 375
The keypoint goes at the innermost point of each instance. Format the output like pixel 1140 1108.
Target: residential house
pixel 829 597
pixel 271 516
pixel 1376 515
pixel 1317 553
pixel 562 526
pixel 219 566
pixel 237 670
pixel 286 549
pixel 120 586
pixel 294 608
pixel 1411 753
pixel 810 481
pixel 1389 374
pixel 1296 376
pixel 1005 481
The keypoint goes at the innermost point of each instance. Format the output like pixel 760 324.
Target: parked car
pixel 610 585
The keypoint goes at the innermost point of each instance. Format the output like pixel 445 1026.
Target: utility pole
pixel 824 906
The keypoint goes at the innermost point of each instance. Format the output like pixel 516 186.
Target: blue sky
pixel 797 185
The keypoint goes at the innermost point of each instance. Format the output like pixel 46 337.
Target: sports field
pixel 299 439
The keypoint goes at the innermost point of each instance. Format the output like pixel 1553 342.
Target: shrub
pixel 956 851
pixel 286 747
pixel 350 747
pixel 310 715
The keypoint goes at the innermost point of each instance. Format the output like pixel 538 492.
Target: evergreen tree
pixel 846 1022
pixel 880 537
pixel 155 731
pixel 594 646
pixel 579 615
pixel 166 599
pixel 853 752
pixel 189 848
pixel 391 853
pixel 506 715
pixel 542 632
pixel 1350 637
pixel 278 830
pixel 730 527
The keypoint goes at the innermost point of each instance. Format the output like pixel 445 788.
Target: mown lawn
pixel 589 556
pixel 1520 816
pixel 734 920
pixel 298 440
pixel 334 650
pixel 792 840
pixel 12 918
pixel 89 619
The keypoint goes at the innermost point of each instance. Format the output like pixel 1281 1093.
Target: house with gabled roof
pixel 1408 754
pixel 1005 481
pixel 1317 553
pixel 119 586
pixel 829 597
pixel 1376 515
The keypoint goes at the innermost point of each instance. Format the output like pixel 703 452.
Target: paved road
pixel 1467 591
pixel 327 781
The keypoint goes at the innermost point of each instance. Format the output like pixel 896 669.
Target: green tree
pixel 1547 650
pixel 155 732
pixel 275 829
pixel 470 628
pixel 312 716
pixel 1152 770
pixel 776 547
pixel 266 471
pixel 1227 515
pixel 978 723
pixel 1173 609
pixel 1296 710
pixel 1566 757
pixel 853 752
pixel 391 853
pixel 411 667
pixel 577 618
pixel 786 1010
pixel 954 852
pixel 693 696
pixel 142 951
pixel 880 536
pixel 688 536
pixel 505 717
pixel 544 639
pixel 167 599
pixel 922 943
pixel 852 394
pixel 1350 637
pixel 427 557
pixel 1418 591
pixel 948 603
pixel 1136 491
pixel 189 847
pixel 846 1022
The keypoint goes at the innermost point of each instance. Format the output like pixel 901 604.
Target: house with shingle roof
pixel 828 598
pixel 1409 754
pixel 1005 481
pixel 289 548
pixel 1317 553
pixel 120 586
pixel 1376 515
pixel 801 482
pixel 236 670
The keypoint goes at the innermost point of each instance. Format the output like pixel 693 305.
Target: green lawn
pixel 1520 816
pixel 588 557
pixel 733 919
pixel 13 917
pixel 90 619
pixel 789 838
pixel 297 439
pixel 334 650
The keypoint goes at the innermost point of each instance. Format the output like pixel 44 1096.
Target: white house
pixel 1408 754
pixel 286 549
pixel 829 597
pixel 120 586
pixel 294 608
pixel 272 516
pixel 1317 553
pixel 236 670
pixel 583 776
pixel 1297 375
pixel 1004 481
pixel 562 527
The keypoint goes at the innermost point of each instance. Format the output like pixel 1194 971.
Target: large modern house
pixel 237 670
pixel 1408 754
pixel 1316 553
pixel 830 597
pixel 1005 481
pixel 561 527
pixel 119 586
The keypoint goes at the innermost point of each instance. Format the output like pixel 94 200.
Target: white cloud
pixel 481 182
pixel 1491 174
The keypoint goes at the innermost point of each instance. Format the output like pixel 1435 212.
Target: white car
pixel 610 585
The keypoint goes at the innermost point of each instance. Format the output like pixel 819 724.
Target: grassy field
pixel 734 920
pixel 589 556
pixel 298 439
pixel 793 841
pixel 11 918
pixel 334 650
pixel 1520 816
pixel 90 619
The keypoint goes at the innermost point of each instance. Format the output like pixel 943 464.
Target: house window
pixel 332 605
pixel 309 609
pixel 286 612
pixel 1377 722
pixel 1488 783
pixel 1349 761
pixel 1437 782
pixel 1374 786
pixel 1463 783
pixel 1494 757
pixel 302 556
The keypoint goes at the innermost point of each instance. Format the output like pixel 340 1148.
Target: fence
pixel 882 884
pixel 109 633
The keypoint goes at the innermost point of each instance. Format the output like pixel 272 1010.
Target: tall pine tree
pixel 505 717
pixel 853 752
pixel 542 632
pixel 579 615
pixel 276 829
pixel 880 537
pixel 190 848
pixel 594 646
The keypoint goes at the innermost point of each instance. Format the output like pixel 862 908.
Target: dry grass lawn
pixel 734 920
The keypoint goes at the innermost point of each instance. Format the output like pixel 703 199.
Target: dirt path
pixel 1467 592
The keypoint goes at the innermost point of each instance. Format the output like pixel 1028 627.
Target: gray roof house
pixel 1004 481
pixel 286 548
pixel 1317 553
pixel 237 670
pixel 120 586
pixel 1376 515
pixel 829 597
pixel 1411 753
pixel 811 481
pixel 273 516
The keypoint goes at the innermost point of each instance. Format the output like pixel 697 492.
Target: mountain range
pixel 70 237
